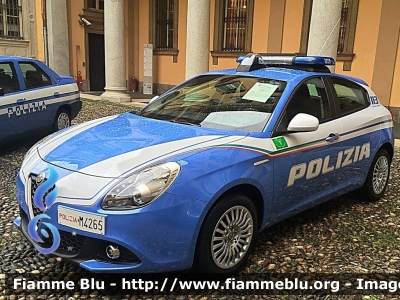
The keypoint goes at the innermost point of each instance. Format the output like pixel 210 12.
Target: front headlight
pixel 141 188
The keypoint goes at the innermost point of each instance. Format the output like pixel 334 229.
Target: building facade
pixel 106 39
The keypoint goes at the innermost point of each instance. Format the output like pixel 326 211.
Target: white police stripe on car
pixel 319 165
pixel 34 106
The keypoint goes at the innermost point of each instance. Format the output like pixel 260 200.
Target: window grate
pixel 343 26
pixel 95 4
pixel 10 19
pixel 234 26
pixel 164 24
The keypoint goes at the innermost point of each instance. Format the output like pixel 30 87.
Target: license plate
pixel 82 220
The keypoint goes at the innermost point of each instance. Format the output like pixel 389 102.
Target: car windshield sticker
pixel 312 89
pixel 260 92
pixel 280 142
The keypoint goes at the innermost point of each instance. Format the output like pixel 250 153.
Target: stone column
pixel 114 44
pixel 58 41
pixel 324 28
pixel 198 37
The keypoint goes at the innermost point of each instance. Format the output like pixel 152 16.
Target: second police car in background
pixel 193 177
pixel 33 97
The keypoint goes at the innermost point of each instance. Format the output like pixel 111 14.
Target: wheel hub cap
pixel 232 237
pixel 63 121
pixel 380 174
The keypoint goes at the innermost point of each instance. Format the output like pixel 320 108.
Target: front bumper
pixel 160 237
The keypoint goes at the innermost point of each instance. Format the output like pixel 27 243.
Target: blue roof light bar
pixel 277 59
pixel 314 60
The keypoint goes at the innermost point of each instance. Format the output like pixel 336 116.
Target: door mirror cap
pixel 303 123
pixel 153 99
pixel 1 92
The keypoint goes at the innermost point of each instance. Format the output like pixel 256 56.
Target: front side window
pixel 309 98
pixel 223 102
pixel 351 97
pixel 8 78
pixel 34 77
pixel 10 19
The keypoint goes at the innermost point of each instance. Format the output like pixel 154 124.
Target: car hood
pixel 113 146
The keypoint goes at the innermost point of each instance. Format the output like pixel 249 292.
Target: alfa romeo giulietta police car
pixel 194 176
pixel 33 97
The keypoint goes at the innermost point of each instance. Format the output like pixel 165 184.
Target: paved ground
pixel 345 235
pixel 397 130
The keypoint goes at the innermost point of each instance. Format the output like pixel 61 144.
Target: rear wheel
pixel 62 119
pixel 227 236
pixel 378 176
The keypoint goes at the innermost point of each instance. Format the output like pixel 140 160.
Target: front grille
pixel 34 185
pixel 70 244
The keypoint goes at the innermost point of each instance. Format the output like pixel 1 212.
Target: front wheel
pixel 227 236
pixel 62 120
pixel 378 176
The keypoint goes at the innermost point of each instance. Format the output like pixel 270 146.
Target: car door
pixel 304 161
pixel 10 100
pixel 359 136
pixel 39 90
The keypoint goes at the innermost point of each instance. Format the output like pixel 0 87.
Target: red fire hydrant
pixel 79 79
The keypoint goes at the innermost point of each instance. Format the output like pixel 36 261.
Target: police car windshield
pixel 219 101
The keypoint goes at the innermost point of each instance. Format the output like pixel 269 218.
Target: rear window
pixel 351 96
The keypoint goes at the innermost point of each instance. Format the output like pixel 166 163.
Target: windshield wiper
pixel 184 122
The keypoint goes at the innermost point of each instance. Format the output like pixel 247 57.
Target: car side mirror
pixel 154 99
pixel 303 123
pixel 1 92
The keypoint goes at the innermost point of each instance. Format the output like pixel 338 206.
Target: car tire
pixel 62 119
pixel 378 176
pixel 227 236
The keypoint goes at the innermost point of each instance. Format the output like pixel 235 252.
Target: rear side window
pixel 34 76
pixel 351 96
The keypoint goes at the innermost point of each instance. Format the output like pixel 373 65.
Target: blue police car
pixel 33 97
pixel 194 176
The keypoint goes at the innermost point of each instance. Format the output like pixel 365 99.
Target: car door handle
pixel 21 100
pixel 56 94
pixel 332 137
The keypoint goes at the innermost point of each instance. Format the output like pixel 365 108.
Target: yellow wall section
pixel 260 26
pixel 164 69
pixel 259 38
pixel 39 30
pixel 395 95
pixel 367 29
pixel 292 26
pixel 77 38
